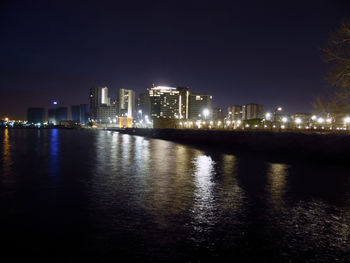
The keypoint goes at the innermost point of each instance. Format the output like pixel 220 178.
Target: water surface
pixel 101 196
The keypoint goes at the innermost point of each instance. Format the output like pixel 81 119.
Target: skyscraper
pixel 52 116
pixel 55 116
pixel 168 102
pixel 198 103
pixel 75 113
pixel 84 113
pixel 126 103
pixel 61 114
pixel 252 111
pixel 99 96
pixel 101 109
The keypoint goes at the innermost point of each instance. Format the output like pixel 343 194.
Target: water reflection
pixel 114 153
pixel 163 194
pixel 169 201
pixel 232 195
pixel 54 151
pixel 7 161
pixel 160 192
pixel 142 154
pixel 126 151
pixel 204 203
pixel 277 174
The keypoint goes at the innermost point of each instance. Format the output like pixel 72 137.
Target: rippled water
pixel 101 196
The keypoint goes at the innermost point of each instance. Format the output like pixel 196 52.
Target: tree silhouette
pixel 337 55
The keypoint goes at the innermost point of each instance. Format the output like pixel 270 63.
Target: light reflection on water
pixel 6 155
pixel 174 202
pixel 204 203
pixel 277 182
pixel 54 151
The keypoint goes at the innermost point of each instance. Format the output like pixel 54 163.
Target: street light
pixel 206 113
pixel 347 121
pixel 140 112
pixel 268 116
pixel 320 120
pixel 275 111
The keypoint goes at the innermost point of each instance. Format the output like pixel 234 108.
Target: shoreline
pixel 331 148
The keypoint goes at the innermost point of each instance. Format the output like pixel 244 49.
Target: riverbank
pixel 333 148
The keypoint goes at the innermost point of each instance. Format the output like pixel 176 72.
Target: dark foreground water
pixel 101 196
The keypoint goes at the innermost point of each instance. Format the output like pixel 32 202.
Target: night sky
pixel 237 51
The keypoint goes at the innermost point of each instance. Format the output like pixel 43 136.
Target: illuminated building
pixel 252 111
pixel 301 118
pixel 99 96
pixel 198 103
pixel 126 103
pixel 168 102
pixel 101 108
pixel 234 113
pixel 36 115
pixel 105 114
pixel 125 122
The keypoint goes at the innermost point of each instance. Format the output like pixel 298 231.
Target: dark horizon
pixel 267 53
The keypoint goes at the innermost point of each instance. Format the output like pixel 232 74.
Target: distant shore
pixel 329 147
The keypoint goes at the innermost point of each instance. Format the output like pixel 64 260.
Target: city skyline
pixel 270 55
pixel 175 131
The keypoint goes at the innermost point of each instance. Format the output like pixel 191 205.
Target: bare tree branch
pixel 337 55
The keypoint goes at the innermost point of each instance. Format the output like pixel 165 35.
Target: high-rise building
pixel 106 114
pixel 84 113
pixel 126 103
pixel 101 108
pixel 234 113
pixel 99 96
pixel 52 116
pixel 36 115
pixel 55 116
pixel 169 102
pixel 198 103
pixel 75 113
pixel 61 114
pixel 143 106
pixel 218 114
pixel 252 111
pixel 184 95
